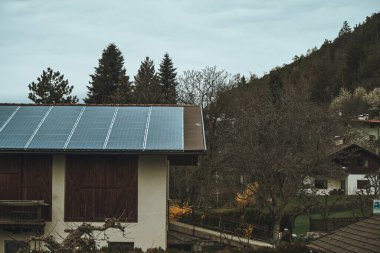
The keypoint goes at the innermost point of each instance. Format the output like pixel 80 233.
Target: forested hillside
pixel 351 60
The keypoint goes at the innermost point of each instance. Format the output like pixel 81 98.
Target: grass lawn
pixel 302 221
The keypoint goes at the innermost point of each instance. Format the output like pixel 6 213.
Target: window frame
pixel 364 184
pixel 324 184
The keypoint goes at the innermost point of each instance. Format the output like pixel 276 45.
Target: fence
pixel 220 223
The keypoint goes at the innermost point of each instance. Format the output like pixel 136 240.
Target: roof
pixel 345 150
pixel 106 128
pixel 362 236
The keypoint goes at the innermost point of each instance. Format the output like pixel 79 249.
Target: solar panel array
pixel 156 128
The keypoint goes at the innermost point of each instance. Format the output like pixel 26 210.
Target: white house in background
pixel 356 162
pixel 88 162
pixel 370 128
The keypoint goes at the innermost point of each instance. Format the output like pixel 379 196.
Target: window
pixel 362 184
pixel 121 246
pixel 362 163
pixel 26 177
pixel 320 184
pixel 343 184
pixel 101 186
pixel 372 137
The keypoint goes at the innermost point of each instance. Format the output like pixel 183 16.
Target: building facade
pixel 61 166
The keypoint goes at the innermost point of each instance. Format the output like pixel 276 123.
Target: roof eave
pixel 102 151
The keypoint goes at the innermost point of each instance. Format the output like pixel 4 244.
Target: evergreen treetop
pixel 51 87
pixel 147 88
pixel 168 80
pixel 110 83
pixel 345 29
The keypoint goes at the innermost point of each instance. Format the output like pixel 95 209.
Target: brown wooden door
pixel 100 186
pixel 10 177
pixel 26 177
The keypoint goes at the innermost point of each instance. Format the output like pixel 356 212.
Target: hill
pixel 349 61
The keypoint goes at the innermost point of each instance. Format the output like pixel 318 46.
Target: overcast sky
pixel 240 36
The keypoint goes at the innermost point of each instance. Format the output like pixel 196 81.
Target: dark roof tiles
pixel 360 237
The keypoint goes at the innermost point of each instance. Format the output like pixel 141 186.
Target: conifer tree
pixel 51 87
pixel 345 29
pixel 147 84
pixel 110 83
pixel 123 91
pixel 168 80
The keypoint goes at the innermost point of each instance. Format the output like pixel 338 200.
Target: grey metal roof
pixel 363 236
pixel 100 128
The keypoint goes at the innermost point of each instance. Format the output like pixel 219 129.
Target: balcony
pixel 22 215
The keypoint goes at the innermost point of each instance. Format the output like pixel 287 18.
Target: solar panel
pixel 6 113
pixel 56 128
pixel 22 126
pixel 165 129
pixel 128 129
pixel 92 128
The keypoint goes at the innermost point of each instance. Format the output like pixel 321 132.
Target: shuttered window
pixel 26 177
pixel 101 186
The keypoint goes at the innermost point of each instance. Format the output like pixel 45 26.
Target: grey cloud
pixel 239 36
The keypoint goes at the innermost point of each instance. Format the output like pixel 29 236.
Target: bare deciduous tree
pixel 202 86
pixel 207 88
pixel 278 145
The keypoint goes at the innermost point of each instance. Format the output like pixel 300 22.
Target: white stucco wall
pixel 331 185
pixel 148 232
pixel 352 183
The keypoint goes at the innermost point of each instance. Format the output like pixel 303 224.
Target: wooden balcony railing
pixel 21 213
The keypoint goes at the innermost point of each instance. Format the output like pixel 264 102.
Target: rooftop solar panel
pixel 21 127
pixel 128 129
pixel 92 128
pixel 56 128
pixel 165 129
pixel 100 128
pixel 6 114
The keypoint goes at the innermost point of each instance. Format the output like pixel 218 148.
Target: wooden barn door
pixel 36 180
pixel 26 177
pixel 10 180
pixel 100 186
pixel 84 180
pixel 121 188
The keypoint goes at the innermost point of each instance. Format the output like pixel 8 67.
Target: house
pixel 362 236
pixel 61 165
pixel 371 130
pixel 355 162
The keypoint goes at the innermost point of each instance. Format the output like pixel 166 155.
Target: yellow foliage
pixel 248 231
pixel 248 196
pixel 176 211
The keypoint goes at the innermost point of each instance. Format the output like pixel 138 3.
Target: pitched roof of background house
pixel 104 128
pixel 363 236
pixel 344 150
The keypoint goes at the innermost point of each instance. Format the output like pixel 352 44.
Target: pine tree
pixel 51 87
pixel 345 29
pixel 123 91
pixel 147 84
pixel 168 80
pixel 110 83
